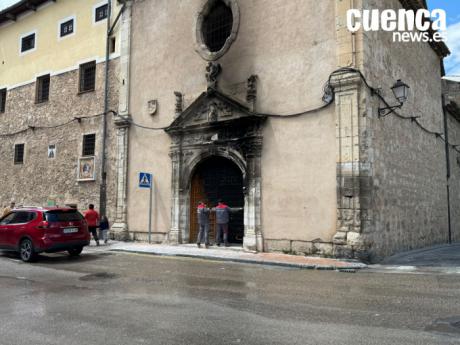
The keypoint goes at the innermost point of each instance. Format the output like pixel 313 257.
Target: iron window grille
pixel 88 76
pixel 67 28
pixel 2 100
pixel 43 89
pixel 19 154
pixel 51 151
pixel 89 144
pixel 217 26
pixel 28 43
pixel 101 12
pixel 112 45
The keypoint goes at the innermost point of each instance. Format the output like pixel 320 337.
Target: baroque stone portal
pixel 216 125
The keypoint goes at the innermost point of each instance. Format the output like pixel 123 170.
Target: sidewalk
pixel 233 254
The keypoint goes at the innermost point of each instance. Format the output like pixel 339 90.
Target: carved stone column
pixel 174 236
pixel 253 238
pixel 352 171
pixel 120 225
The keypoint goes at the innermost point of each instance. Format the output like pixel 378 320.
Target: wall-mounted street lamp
pixel 401 93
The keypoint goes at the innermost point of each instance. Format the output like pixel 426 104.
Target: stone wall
pixel 408 187
pixel 454 180
pixel 41 179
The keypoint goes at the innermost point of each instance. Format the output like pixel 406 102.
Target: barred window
pixel 101 12
pixel 217 26
pixel 2 100
pixel 67 28
pixel 89 144
pixel 42 89
pixel 28 43
pixel 19 154
pixel 88 76
pixel 112 45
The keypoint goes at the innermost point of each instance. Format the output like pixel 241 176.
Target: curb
pixel 347 269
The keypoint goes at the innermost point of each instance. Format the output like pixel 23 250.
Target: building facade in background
pixel 52 78
pixel 222 79
pixel 271 106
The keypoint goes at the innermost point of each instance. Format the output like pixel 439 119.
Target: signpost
pixel 145 181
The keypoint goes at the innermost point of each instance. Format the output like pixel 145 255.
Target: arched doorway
pixel 213 179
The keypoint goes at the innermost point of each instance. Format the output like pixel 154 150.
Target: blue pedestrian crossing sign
pixel 145 180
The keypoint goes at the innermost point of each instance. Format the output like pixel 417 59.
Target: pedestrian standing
pixel 104 229
pixel 203 224
pixel 222 219
pixel 92 218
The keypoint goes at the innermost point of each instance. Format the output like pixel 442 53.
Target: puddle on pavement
pixel 445 325
pixel 99 276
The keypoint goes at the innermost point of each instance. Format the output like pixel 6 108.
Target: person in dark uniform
pixel 203 224
pixel 222 219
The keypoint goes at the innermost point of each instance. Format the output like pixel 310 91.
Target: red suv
pixel 33 230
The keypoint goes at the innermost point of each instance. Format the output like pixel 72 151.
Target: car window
pixel 63 216
pixel 6 220
pixel 21 217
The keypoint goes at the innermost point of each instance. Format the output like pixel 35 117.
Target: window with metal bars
pixel 67 28
pixel 28 43
pixel 19 154
pixel 89 144
pixel 101 12
pixel 217 26
pixel 112 45
pixel 2 100
pixel 88 76
pixel 42 89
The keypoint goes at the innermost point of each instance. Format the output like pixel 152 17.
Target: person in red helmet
pixel 222 219
pixel 203 224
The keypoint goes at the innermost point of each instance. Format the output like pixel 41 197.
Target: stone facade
pixel 39 179
pixel 291 62
pixel 339 181
pixel 451 90
pixel 406 198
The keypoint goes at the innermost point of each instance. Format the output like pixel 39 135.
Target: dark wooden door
pixel 214 179
pixel 197 194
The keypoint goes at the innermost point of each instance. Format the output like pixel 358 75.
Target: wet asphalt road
pixel 116 298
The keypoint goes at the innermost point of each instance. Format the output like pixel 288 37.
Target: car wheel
pixel 75 251
pixel 26 250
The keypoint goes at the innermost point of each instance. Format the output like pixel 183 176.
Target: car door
pixel 16 227
pixel 5 229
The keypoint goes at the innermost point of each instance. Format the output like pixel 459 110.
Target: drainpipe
pixel 103 187
pixel 446 146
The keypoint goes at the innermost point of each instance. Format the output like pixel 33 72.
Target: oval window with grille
pixel 216 28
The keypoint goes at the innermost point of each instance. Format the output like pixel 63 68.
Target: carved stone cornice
pixel 253 147
pixel 122 121
pixel 344 80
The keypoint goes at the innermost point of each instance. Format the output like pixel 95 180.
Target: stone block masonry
pixel 41 180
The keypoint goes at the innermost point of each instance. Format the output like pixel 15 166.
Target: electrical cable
pixel 374 91
pixel 142 126
pixel 32 127
pixel 328 91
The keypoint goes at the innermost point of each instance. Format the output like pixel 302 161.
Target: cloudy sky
pixel 452 8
